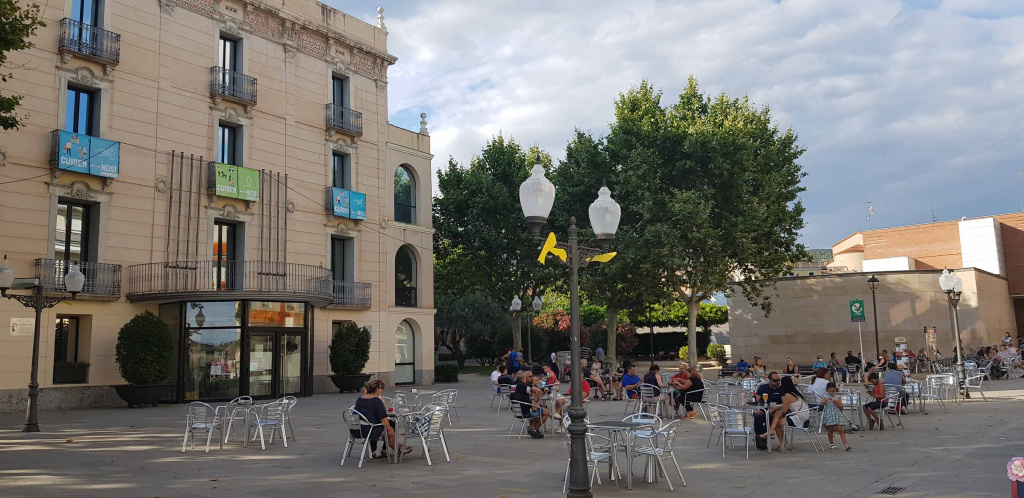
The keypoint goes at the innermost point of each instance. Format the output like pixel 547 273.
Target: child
pixel 834 418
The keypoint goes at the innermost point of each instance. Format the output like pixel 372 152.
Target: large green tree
pixel 482 243
pixel 461 320
pixel 17 23
pixel 716 183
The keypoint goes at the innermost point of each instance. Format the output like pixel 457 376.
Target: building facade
pixel 227 165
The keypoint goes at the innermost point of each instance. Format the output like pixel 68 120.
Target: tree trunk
pixel 517 338
pixel 692 308
pixel 613 339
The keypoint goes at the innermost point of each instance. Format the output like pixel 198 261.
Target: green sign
pixel 857 311
pixel 236 182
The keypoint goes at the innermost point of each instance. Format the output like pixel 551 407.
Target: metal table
pixel 417 394
pixel 548 401
pixel 626 429
pixel 401 418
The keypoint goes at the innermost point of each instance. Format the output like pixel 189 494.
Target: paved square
pixel 137 452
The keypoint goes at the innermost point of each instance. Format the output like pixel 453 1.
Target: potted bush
pixel 350 350
pixel 716 353
pixel 71 372
pixel 145 358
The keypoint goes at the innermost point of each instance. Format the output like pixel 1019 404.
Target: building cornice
pixel 412 152
pixel 412 228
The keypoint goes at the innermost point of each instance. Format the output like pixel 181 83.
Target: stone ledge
pixel 61 398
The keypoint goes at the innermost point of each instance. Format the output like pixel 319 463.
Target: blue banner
pixel 104 158
pixel 340 197
pixel 90 155
pixel 357 206
pixel 74 152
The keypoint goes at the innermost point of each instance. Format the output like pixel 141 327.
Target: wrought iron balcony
pixel 345 120
pixel 101 279
pixel 353 294
pixel 232 85
pixel 89 41
pixel 261 280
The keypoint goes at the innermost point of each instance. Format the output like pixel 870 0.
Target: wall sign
pixel 236 182
pixel 90 155
pixel 348 204
pixel 23 326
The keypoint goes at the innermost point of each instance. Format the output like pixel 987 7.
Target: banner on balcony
pixel 348 204
pixel 89 155
pixel 341 199
pixel 236 182
pixel 248 184
pixel 356 206
pixel 105 158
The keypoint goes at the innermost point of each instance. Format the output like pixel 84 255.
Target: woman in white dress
pixel 792 403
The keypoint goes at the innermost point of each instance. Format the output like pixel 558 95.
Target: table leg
pixel 629 459
pixel 245 439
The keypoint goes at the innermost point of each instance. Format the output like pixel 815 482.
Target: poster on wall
pixel 340 199
pixel 105 158
pixel 74 151
pixel 226 179
pixel 356 206
pixel 248 184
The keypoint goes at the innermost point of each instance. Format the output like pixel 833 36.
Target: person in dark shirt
pixel 851 359
pixel 775 392
pixel 529 397
pixel 371 406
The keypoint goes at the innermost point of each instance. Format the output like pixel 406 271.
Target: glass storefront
pixel 405 354
pixel 240 348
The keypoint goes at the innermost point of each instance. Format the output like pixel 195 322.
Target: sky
pixel 915 106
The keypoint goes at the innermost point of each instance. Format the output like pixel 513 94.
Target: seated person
pixel 562 401
pixel 819 384
pixel 549 376
pixel 790 368
pixel 593 376
pixel 371 406
pixel 819 364
pixel 678 382
pixel 833 364
pixel 499 370
pixel 869 369
pixel 759 371
pixel 878 401
pixel 774 391
pixel 793 402
pixel 741 368
pixel 529 399
pixel 617 379
pixel 506 377
pixel 693 393
pixel 653 377
pixel 631 382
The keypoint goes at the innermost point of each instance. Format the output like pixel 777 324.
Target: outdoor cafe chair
pixel 644 418
pixel 593 457
pixel 788 429
pixel 291 401
pixel 659 449
pixel 894 405
pixel 974 382
pixel 715 416
pixel 648 398
pixel 234 411
pixel 429 427
pixel 270 415
pixel 360 429
pixel 447 397
pixel 735 427
pixel 504 394
pixel 933 390
pixel 518 417
pixel 201 417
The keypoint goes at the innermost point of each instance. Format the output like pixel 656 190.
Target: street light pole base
pixel 30 428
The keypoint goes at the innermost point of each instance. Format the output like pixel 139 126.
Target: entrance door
pixel 261 364
pixel 405 354
pixel 290 354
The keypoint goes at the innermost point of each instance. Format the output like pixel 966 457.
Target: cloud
pixel 914 105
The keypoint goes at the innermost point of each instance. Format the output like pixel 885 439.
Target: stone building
pixel 229 166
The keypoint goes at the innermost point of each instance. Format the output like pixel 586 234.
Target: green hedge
pixel 446 372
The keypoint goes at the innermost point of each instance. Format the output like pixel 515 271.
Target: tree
pixel 17 24
pixel 717 185
pixel 481 242
pixel 458 319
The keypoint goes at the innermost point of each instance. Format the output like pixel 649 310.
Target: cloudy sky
pixel 916 106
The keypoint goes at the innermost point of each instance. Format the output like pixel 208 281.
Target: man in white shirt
pixel 494 376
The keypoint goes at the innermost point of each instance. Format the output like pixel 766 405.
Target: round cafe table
pixel 621 430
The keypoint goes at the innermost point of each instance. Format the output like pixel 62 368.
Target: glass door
pixel 405 354
pixel 291 364
pixel 224 255
pixel 212 363
pixel 261 364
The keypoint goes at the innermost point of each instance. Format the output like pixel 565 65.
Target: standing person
pixel 834 418
pixel 512 358
pixel 774 391
pixel 554 361
pixel 877 393
pixel 833 364
pixel 792 411
pixel 599 354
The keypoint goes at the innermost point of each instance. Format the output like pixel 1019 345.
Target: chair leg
pixel 426 453
pixel 263 445
pixel 284 435
pixel 444 445
pixel 209 437
pixel 664 474
pixel 348 449
pixel 184 442
pixel 230 420
pixel 680 471
pixel 290 428
pixel 362 452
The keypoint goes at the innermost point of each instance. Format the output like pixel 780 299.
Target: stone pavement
pixel 137 452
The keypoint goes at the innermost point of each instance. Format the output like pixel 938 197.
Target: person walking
pixel 834 418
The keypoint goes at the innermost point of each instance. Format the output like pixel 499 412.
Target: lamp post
pixel 953 286
pixel 517 336
pixel 873 283
pixel 538 303
pixel 537 196
pixel 74 279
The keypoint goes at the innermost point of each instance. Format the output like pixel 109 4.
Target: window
pixel 405 196
pixel 81 111
pixel 342 169
pixel 224 254
pixel 71 240
pixel 405 354
pixel 227 140
pixel 342 259
pixel 228 56
pixel 339 93
pixel 85 11
pixel 405 278
pixel 70 350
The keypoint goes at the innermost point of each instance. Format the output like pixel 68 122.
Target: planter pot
pixel 70 375
pixel 718 361
pixel 346 383
pixel 143 395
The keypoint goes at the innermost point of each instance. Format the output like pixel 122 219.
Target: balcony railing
pixel 89 41
pixel 405 296
pixel 230 279
pixel 232 85
pixel 345 120
pixel 101 279
pixel 355 294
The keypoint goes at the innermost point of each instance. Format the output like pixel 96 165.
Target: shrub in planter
pixel 716 352
pixel 145 359
pixel 684 353
pixel 446 372
pixel 350 350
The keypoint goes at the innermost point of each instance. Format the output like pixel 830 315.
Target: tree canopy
pixel 17 24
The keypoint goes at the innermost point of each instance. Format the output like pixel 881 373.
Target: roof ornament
pixel 380 18
pixel 423 124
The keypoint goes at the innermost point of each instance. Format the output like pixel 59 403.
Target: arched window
pixel 405 354
pixel 405 277
pixel 405 196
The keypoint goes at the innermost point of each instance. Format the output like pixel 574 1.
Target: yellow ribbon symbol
pixel 549 247
pixel 602 258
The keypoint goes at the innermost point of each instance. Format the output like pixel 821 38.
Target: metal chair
pixel 717 423
pixel 517 416
pixel 447 397
pixel 593 458
pixel 201 417
pixel 291 401
pixel 356 422
pixel 852 404
pixel 644 418
pixel 735 426
pixel 974 382
pixel 234 410
pixel 788 430
pixel 270 415
pixel 660 448
pixel 504 394
pixel 894 405
pixel 648 398
pixel 932 390
pixel 497 394
pixel 429 427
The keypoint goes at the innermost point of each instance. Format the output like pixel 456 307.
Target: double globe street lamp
pixel 537 196
pixel 953 286
pixel 74 280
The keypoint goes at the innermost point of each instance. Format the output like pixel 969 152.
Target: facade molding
pixel 412 152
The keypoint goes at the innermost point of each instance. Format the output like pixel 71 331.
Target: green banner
pixel 248 184
pixel 857 311
pixel 226 179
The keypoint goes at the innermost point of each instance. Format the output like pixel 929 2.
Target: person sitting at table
pixel 529 399
pixel 819 364
pixel 568 396
pixel 550 378
pixel 593 376
pixel 878 396
pixel 653 377
pixel 499 370
pixel 774 391
pixel 678 382
pixel 758 370
pixel 883 362
pixel 819 385
pixel 835 366
pixel 617 379
pixel 693 393
pixel 790 368
pixel 371 406
pixel 792 410
pixel 869 369
pixel 741 368
pixel 630 382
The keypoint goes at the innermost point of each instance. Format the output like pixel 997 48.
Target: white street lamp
pixel 516 304
pixel 952 285
pixel 74 280
pixel 6 276
pixel 604 216
pixel 537 196
pixel 538 303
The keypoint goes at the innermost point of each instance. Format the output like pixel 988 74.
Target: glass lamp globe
pixel 516 304
pixel 200 318
pixel 74 280
pixel 958 284
pixel 946 281
pixel 604 216
pixel 538 303
pixel 537 196
pixel 6 275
